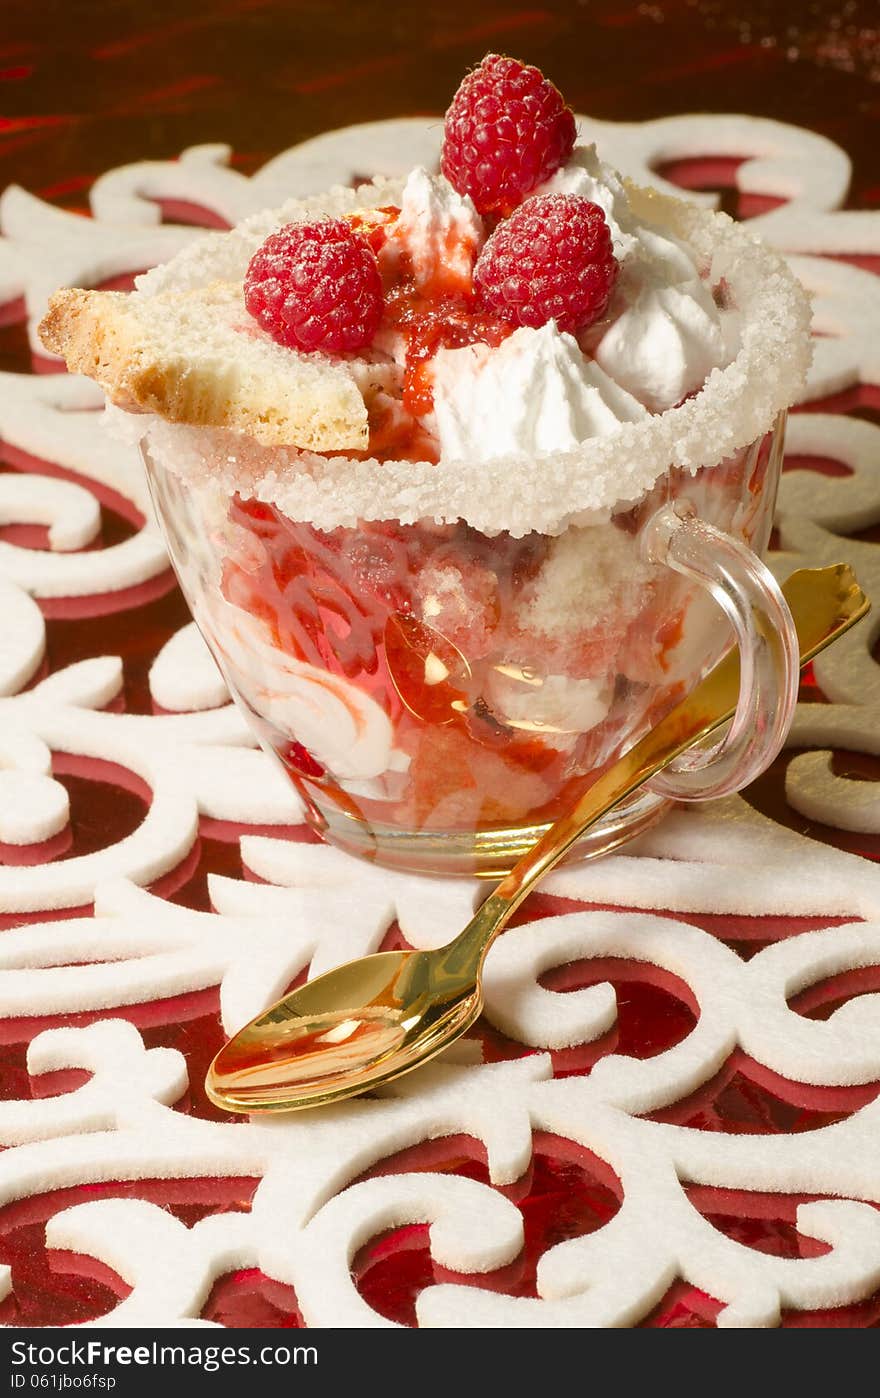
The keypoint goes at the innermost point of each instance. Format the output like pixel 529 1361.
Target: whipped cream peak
pixel 660 257
pixel 441 231
pixel 535 394
pixel 667 340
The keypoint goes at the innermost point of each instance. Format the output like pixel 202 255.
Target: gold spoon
pixel 374 1019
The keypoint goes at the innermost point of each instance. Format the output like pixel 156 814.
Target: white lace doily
pixel 100 930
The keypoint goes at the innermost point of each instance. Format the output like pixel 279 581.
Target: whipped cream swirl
pixel 440 229
pixel 668 334
pixel 535 394
pixel 668 339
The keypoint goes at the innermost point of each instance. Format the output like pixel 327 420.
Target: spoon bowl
pixel 360 1025
pixel 371 1020
pixel 429 673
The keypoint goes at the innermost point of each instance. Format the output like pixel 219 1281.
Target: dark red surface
pixel 86 87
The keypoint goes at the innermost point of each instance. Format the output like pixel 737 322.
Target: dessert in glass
pixel 455 471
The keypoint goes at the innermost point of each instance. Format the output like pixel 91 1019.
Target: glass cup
pixel 439 696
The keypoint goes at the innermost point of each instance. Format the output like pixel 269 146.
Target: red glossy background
pixel 89 86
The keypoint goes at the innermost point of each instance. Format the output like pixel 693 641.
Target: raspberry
pixel 315 286
pixel 507 130
pixel 551 260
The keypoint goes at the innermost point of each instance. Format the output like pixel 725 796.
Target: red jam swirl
pixel 440 312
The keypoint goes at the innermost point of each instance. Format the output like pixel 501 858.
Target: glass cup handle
pixel 764 631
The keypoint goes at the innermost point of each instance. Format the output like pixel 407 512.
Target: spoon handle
pixel 824 602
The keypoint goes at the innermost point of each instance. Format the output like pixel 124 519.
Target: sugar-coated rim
pixel 541 493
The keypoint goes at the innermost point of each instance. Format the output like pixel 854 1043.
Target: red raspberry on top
pixel 316 286
pixel 551 260
pixel 507 130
